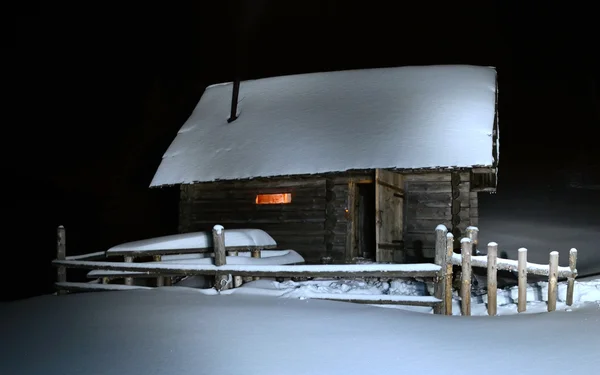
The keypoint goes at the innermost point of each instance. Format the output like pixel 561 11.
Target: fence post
pixel 160 280
pixel 465 285
pixel 448 288
pixel 571 278
pixel 440 259
pixel 256 254
pixel 128 259
pixel 492 278
pixel 552 280
pixel 522 280
pixel 473 234
pixel 61 254
pixel 237 280
pixel 218 234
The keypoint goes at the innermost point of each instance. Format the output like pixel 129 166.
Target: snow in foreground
pixel 175 330
pixel 537 293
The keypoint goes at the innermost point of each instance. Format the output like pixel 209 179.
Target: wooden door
pixel 389 202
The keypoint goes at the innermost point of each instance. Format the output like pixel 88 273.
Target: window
pixel 274 198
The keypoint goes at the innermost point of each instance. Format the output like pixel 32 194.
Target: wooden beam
pixel 331 270
pixel 87 287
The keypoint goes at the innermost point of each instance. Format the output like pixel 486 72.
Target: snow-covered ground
pixel 587 291
pixel 176 330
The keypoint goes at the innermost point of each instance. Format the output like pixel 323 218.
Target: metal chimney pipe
pixel 234 101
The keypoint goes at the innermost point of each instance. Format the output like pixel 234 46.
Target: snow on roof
pixel 407 117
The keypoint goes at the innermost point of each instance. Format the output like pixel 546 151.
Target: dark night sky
pixel 98 93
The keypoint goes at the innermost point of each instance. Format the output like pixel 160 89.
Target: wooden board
pixel 389 207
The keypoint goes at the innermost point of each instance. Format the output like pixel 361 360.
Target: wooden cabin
pixel 341 166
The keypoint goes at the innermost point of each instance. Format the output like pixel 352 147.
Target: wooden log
pixel 386 300
pixel 465 285
pixel 218 234
pixel 128 280
pixel 256 254
pixel 448 274
pixel 87 287
pixel 160 280
pixel 522 280
pixel 552 280
pixel 473 233
pixel 61 254
pixel 440 259
pixel 389 271
pixel 512 265
pixel 492 279
pixel 571 279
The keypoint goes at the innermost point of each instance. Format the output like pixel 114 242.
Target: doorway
pixel 366 215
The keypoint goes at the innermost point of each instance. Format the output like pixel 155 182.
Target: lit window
pixel 274 198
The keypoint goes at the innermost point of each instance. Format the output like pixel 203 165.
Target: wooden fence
pixel 466 261
pixel 230 276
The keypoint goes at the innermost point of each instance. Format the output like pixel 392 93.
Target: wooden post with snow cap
pixel 473 234
pixel 492 278
pixel 440 259
pixel 571 279
pixel 61 254
pixel 448 273
pixel 522 280
pixel 466 246
pixel 218 234
pixel 552 280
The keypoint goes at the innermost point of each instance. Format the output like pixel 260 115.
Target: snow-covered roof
pixel 407 118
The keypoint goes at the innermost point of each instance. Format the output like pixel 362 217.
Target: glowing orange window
pixel 274 198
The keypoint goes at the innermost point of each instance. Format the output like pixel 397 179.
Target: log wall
pixel 432 199
pixel 299 225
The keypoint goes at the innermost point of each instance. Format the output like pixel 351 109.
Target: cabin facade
pixel 341 166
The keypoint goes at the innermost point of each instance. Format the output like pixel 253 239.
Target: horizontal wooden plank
pixel 425 225
pixel 433 200
pixel 87 287
pixel 253 222
pixel 296 182
pixel 380 300
pixel 243 191
pixel 433 187
pixel 428 212
pixel 274 216
pixel 332 270
pixel 513 265
pixel 427 177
